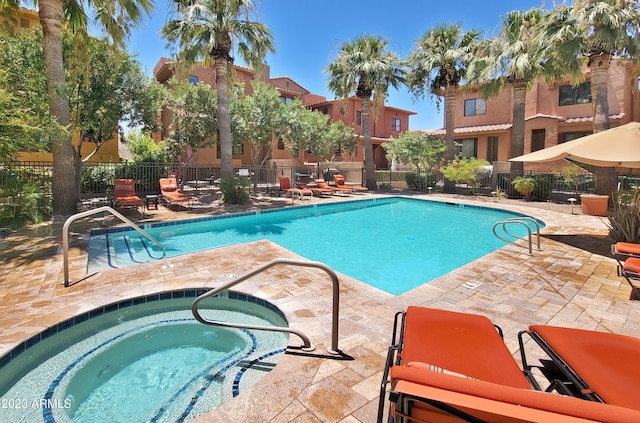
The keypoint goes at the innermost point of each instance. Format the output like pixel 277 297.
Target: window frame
pixel 535 140
pixel 492 148
pixel 460 147
pixel 396 124
pixel 479 107
pixel 574 95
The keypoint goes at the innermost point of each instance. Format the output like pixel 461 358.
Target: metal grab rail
pixel 520 221
pixel 307 344
pixel 71 219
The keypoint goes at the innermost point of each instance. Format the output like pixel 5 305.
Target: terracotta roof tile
pixel 478 128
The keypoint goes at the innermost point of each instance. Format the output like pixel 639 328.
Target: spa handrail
pixel 307 344
pixel 71 219
pixel 521 221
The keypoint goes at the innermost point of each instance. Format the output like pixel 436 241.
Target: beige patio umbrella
pixel 615 147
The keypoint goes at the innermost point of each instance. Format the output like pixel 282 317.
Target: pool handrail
pixel 307 343
pixel 522 220
pixel 71 219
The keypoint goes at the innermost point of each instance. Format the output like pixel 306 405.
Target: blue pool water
pixel 394 244
pixel 141 360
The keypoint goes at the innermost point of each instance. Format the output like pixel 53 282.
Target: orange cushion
pixel 632 264
pixel 607 362
pixel 462 343
pixel 493 399
pixel 627 248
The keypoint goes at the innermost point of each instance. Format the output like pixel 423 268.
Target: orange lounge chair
pixel 170 193
pixel 340 183
pixel 598 366
pixel 343 190
pixel 285 186
pixel 627 254
pixel 124 191
pixel 449 342
pixel 427 396
pixel 315 190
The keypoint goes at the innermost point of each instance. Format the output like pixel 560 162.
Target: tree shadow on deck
pixel 600 245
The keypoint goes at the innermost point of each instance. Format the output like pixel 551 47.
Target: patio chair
pixel 448 343
pixel 170 193
pixel 427 396
pixel 596 366
pixel 336 190
pixel 340 183
pixel 285 186
pixel 320 192
pixel 124 191
pixel 627 254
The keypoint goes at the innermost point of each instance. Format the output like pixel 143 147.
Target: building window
pixel 570 94
pixel 24 23
pixel 492 148
pixel 358 118
pixel 570 136
pixel 395 124
pixel 286 100
pixel 467 147
pixel 342 110
pixel 280 143
pixel 537 139
pixel 236 149
pixel 475 106
pixel 193 80
pixel 325 110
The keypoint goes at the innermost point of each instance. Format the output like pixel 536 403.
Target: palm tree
pixel 439 63
pixel 513 59
pixel 116 17
pixel 365 66
pixel 591 33
pixel 207 30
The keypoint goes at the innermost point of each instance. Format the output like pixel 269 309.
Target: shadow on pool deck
pixel 594 244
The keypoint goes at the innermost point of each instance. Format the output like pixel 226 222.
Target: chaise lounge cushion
pixel 495 402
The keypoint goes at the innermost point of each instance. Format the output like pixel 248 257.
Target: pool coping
pixel 561 285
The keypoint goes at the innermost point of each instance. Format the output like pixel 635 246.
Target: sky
pixel 308 34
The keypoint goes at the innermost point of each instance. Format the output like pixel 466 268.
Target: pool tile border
pixel 129 302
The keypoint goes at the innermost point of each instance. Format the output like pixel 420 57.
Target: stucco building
pixel 554 113
pixel 388 121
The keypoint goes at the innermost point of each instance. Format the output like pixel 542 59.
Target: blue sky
pixel 308 35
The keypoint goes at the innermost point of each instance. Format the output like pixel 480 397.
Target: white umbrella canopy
pixel 615 147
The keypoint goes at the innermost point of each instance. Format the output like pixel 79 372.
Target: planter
pixel 594 205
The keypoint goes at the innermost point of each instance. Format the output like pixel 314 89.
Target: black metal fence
pixel 97 178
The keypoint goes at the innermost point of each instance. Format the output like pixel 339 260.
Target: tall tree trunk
pixel 606 180
pixel 450 127
pixel 369 164
pixel 65 193
pixel 450 122
pixel 517 130
pixel 224 120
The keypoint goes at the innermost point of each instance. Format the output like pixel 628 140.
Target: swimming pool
pixel 139 360
pixel 394 244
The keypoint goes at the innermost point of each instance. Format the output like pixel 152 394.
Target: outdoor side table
pixel 151 199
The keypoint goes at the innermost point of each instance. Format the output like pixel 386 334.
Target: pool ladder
pixel 305 339
pixel 521 221
pixel 71 219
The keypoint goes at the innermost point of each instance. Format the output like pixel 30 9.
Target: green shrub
pixel 543 187
pixel 524 185
pixel 624 218
pixel 235 189
pixel 27 203
pixel 385 186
